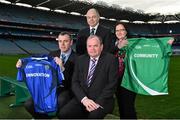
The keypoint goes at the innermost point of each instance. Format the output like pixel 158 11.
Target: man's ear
pixel 71 42
pixel 102 47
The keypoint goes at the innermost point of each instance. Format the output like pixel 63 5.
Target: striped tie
pixel 92 31
pixel 91 71
pixel 63 58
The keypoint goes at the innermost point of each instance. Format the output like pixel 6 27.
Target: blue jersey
pixel 42 75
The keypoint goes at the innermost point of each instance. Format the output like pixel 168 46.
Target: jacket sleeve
pixel 109 89
pixel 76 82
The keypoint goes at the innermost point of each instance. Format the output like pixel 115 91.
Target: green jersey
pixel 146 65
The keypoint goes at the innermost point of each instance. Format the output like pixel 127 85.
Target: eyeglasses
pixel 119 30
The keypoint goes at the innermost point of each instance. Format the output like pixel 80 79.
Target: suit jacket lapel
pixel 86 64
pixel 98 31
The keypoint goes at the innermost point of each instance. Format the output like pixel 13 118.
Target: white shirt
pixel 67 54
pixel 94 28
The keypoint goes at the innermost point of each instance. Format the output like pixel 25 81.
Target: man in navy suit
pixel 94 83
pixel 67 65
pixel 94 28
pixel 65 57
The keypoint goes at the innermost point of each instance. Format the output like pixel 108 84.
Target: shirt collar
pixel 67 54
pixel 95 28
pixel 97 58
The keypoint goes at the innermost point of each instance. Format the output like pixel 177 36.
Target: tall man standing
pixel 94 83
pixel 94 28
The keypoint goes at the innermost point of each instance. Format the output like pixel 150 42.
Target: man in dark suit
pixel 94 83
pixel 94 28
pixel 65 58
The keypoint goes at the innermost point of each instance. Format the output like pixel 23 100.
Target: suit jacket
pixel 101 31
pixel 104 80
pixel 69 68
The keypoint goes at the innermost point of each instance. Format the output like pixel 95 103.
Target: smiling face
pixel 94 46
pixel 64 42
pixel 92 17
pixel 121 31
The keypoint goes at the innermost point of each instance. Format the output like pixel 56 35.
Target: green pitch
pixel 147 107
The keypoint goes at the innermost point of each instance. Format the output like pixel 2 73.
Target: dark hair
pixel 66 33
pixel 125 26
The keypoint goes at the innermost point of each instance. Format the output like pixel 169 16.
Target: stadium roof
pixel 135 11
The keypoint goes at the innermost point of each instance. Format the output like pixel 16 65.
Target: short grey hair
pixel 95 36
pixel 94 9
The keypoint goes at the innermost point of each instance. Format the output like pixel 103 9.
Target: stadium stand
pixel 45 25
pixel 37 28
pixel 14 14
pixel 8 47
pixel 28 45
pixel 176 50
pixel 50 46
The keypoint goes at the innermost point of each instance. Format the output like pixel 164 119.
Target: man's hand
pixel 90 104
pixel 59 62
pixel 19 63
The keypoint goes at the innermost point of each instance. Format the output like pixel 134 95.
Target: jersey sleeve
pixel 20 75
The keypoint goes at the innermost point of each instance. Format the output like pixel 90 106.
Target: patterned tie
pixel 92 31
pixel 63 58
pixel 91 71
